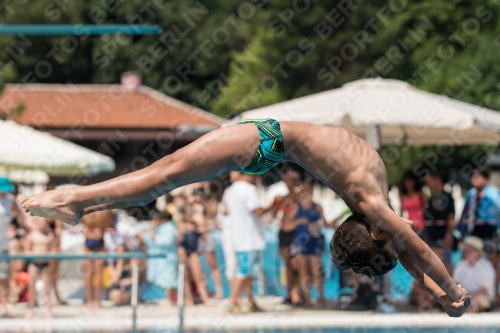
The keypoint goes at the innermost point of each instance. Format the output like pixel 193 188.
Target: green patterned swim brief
pixel 271 148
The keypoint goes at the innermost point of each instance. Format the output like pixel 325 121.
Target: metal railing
pixel 79 256
pixel 104 255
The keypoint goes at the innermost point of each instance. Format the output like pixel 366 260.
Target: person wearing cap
pixel 476 273
pixel 8 209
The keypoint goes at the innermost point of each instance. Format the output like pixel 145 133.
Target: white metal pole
pixel 373 136
pixel 261 279
pixel 134 295
pixel 180 297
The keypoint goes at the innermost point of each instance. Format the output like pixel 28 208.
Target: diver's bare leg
pixel 216 152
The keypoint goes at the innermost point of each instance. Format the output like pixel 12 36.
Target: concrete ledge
pixel 152 316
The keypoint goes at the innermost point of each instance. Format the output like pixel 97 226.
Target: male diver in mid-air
pixel 370 241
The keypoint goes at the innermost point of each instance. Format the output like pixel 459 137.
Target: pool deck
pixel 75 317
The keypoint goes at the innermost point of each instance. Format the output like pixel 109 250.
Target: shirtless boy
pixel 39 241
pixel 370 241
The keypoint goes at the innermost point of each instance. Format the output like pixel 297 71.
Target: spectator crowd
pixel 475 231
pixel 183 232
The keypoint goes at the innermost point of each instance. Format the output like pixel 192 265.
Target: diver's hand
pixel 455 308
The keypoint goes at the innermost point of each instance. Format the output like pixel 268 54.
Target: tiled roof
pixel 101 106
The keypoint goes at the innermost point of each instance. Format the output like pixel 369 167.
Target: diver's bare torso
pixel 340 159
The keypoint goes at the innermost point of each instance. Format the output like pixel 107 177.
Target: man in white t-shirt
pixel 8 208
pixel 243 213
pixel 476 274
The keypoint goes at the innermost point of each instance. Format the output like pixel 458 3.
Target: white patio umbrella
pixel 386 111
pixel 24 148
pixel 25 176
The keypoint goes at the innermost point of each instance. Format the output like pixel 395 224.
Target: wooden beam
pixel 130 134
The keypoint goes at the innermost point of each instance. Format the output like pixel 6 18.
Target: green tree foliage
pixel 430 44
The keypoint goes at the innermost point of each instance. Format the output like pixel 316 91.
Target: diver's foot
pixel 55 204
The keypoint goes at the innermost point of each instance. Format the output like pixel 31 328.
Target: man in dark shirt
pixel 439 214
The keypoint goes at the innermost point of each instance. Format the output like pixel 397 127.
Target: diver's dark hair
pixel 352 246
